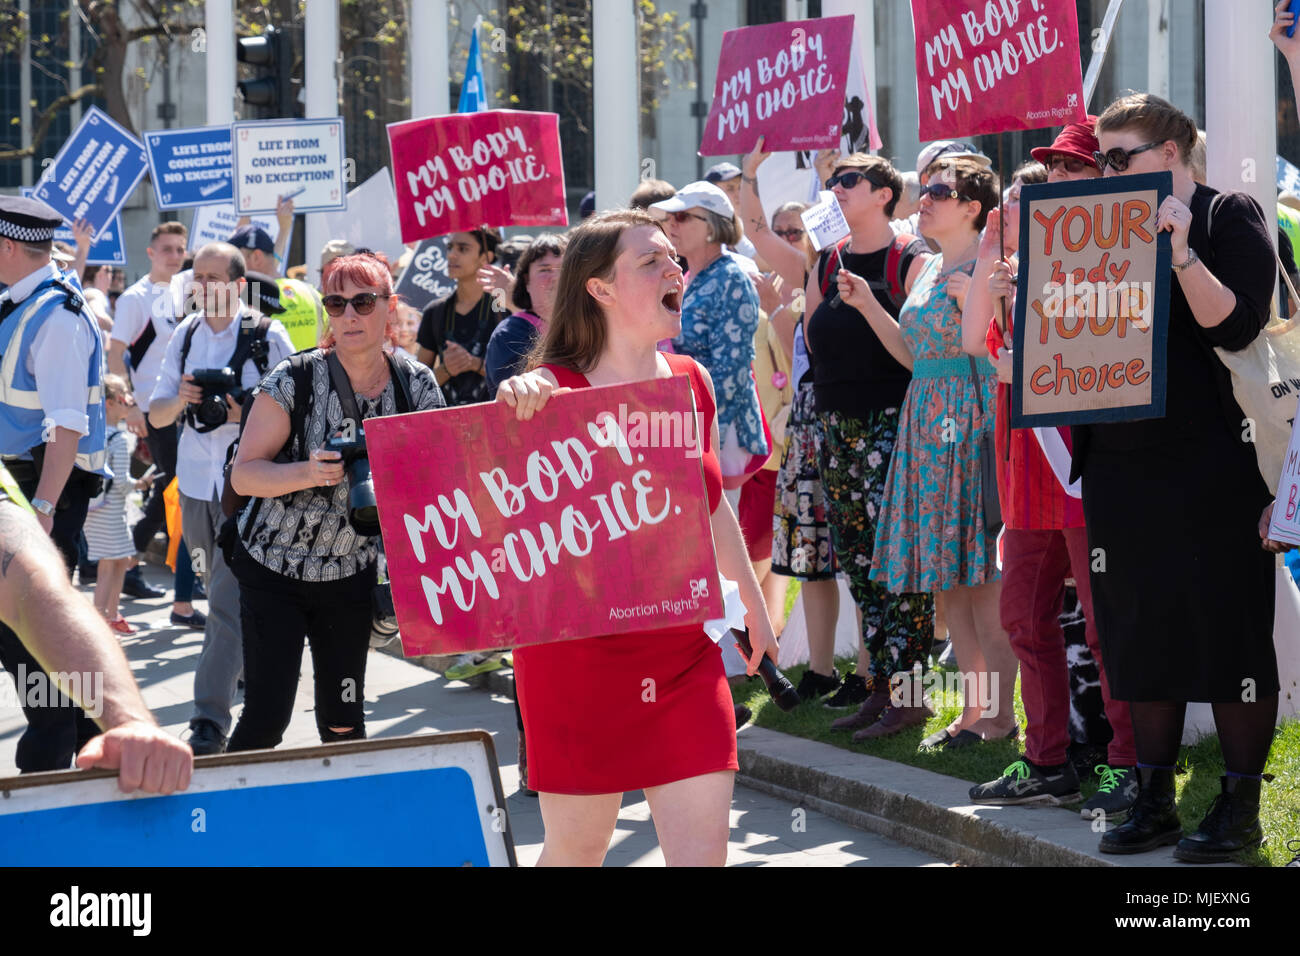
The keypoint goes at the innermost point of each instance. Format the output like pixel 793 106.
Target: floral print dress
pixel 719 318
pixel 931 534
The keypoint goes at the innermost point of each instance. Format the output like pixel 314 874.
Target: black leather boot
pixel 1232 825
pixel 1153 821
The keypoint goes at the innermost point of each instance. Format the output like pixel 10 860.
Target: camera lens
pixel 363 510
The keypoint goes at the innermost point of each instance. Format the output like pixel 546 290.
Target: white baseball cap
pixel 695 195
pixel 949 149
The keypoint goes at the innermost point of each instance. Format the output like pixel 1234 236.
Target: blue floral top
pixel 719 319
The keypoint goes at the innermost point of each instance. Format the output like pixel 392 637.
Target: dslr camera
pixel 210 412
pixel 363 512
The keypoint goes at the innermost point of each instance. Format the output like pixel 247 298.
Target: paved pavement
pixel 402 698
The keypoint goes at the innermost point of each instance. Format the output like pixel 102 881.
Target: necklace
pixel 376 383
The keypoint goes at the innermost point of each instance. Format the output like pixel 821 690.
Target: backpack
pixel 895 282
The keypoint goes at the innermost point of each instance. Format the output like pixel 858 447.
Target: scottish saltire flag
pixel 473 92
pixel 1288 177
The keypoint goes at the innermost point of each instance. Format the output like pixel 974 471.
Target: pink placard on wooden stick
pixel 590 519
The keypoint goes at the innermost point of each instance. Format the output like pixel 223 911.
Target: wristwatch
pixel 1191 260
pixel 43 506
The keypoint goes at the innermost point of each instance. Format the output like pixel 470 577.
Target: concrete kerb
pixel 919 808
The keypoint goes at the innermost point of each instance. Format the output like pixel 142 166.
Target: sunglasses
pixel 1072 166
pixel 1118 157
pixel 363 303
pixel 682 215
pixel 942 191
pixel 850 179
pixel 790 235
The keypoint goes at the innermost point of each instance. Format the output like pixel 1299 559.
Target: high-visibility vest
pixel 303 315
pixel 9 488
pixel 23 423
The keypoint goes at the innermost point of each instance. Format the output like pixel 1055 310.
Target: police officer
pixel 52 430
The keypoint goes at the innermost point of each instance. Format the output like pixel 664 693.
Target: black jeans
pixel 56 728
pixel 162 446
pixel 276 613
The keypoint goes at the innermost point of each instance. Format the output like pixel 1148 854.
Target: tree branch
pixel 47 117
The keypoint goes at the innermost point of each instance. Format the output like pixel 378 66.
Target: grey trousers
pixel 222 662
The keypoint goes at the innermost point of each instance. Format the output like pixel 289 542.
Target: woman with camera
pixel 305 554
pixel 620 293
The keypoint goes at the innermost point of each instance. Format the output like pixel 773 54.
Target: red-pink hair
pixel 369 271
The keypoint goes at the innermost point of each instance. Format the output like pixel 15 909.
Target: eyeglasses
pixel 1072 165
pixel 682 215
pixel 790 235
pixel 850 179
pixel 362 303
pixel 1118 157
pixel 941 192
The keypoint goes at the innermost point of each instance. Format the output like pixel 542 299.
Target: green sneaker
pixel 469 665
pixel 1027 783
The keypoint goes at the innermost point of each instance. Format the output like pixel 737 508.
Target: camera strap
pixel 348 399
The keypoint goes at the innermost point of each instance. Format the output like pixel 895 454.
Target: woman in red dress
pixel 592 729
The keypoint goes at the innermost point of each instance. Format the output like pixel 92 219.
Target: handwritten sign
pixel 825 221
pixel 494 168
pixel 1092 302
pixel 190 167
pixel 95 171
pixel 985 66
pixel 218 224
pixel 590 519
pixel 425 278
pixel 301 159
pixel 785 81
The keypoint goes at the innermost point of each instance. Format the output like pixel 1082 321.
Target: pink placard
pixel 986 66
pixel 785 81
pixel 494 168
pixel 590 519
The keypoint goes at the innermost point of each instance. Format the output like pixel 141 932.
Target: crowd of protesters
pixel 854 397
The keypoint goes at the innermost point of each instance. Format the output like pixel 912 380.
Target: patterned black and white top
pixel 306 535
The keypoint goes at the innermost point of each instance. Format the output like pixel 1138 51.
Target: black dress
pixel 1182 590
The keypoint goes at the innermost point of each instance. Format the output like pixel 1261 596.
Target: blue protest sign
pixel 300 160
pixel 1288 177
pixel 108 249
pixel 94 172
pixel 190 167
pixel 430 800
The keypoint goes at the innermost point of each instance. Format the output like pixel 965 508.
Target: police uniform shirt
pixel 59 357
pixel 201 456
pixel 143 304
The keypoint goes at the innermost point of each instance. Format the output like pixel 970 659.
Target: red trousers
pixel 1035 565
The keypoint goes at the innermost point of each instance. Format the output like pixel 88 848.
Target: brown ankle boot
pixel 868 712
pixel 893 720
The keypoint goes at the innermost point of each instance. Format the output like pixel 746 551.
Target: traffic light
pixel 271 91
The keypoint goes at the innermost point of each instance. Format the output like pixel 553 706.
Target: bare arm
pixel 60 455
pixel 786 260
pixel 980 302
pixel 67 636
pixel 255 473
pixel 283 216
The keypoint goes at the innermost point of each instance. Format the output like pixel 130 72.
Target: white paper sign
pixel 370 221
pixel 218 224
pixel 825 222
pixel 1285 524
pixel 298 159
